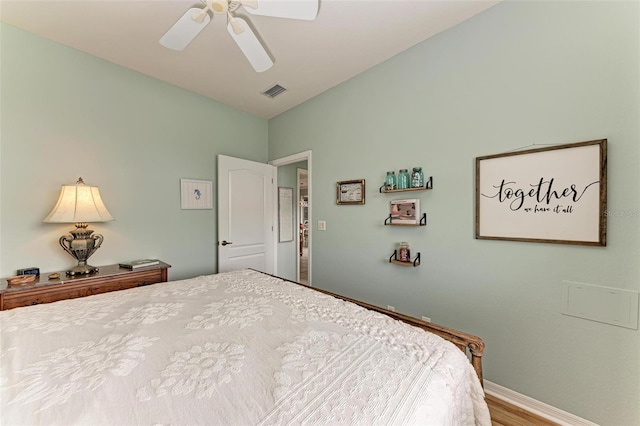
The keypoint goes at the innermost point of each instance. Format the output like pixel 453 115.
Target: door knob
pixel 225 242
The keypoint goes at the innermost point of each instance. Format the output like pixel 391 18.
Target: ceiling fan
pixel 195 19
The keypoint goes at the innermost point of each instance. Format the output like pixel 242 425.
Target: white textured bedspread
pixel 239 348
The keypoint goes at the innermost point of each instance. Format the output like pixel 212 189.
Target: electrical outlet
pixel 391 308
pixel 427 319
pixel 322 225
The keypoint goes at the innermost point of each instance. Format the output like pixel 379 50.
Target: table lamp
pixel 80 204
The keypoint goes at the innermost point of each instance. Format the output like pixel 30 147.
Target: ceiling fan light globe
pixel 235 25
pixel 199 17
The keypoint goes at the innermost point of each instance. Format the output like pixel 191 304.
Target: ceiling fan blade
pixel 293 9
pixel 250 45
pixel 185 29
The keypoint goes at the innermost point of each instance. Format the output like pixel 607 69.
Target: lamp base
pixel 82 270
pixel 80 244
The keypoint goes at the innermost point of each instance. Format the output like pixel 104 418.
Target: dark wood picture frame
pixel 554 194
pixel 350 191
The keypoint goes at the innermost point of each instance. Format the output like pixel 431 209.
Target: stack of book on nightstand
pixel 141 263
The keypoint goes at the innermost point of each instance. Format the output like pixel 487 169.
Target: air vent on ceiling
pixel 274 91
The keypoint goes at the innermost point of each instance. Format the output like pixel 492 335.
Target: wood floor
pixel 505 414
pixel 304 266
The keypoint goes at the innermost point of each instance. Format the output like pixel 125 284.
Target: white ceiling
pixel 347 38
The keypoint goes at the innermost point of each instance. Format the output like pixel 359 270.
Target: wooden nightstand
pixel 108 278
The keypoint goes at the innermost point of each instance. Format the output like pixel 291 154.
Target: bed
pixel 236 348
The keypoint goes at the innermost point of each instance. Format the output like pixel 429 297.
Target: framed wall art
pixel 196 194
pixel 350 192
pixel 554 194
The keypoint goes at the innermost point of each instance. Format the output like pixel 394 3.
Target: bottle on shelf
pixel 417 178
pixel 390 182
pixel 403 179
pixel 404 254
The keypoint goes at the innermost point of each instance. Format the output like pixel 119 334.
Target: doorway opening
pixel 303 239
pixel 303 224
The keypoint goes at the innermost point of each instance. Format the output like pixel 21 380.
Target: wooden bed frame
pixel 471 345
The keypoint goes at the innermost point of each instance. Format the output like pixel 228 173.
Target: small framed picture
pixel 350 192
pixel 405 212
pixel 196 194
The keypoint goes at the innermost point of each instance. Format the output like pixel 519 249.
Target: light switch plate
pixel 322 225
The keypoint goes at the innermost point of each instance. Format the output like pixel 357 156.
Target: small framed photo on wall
pixel 350 192
pixel 196 194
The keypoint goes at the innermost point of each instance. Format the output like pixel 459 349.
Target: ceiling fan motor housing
pixel 220 6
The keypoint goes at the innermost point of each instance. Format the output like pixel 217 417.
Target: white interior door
pixel 246 194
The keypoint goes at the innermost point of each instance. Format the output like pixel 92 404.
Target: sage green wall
pixel 520 73
pixel 66 114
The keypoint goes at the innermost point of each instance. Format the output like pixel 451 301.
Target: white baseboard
pixel 534 406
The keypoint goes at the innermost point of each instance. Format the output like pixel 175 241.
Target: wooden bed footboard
pixel 472 346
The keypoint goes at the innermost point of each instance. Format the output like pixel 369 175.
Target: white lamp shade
pixel 79 204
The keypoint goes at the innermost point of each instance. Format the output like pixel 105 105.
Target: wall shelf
pixel 428 185
pixel 423 221
pixel 394 259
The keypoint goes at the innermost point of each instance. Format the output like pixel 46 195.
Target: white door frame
pixel 296 158
pixel 299 214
